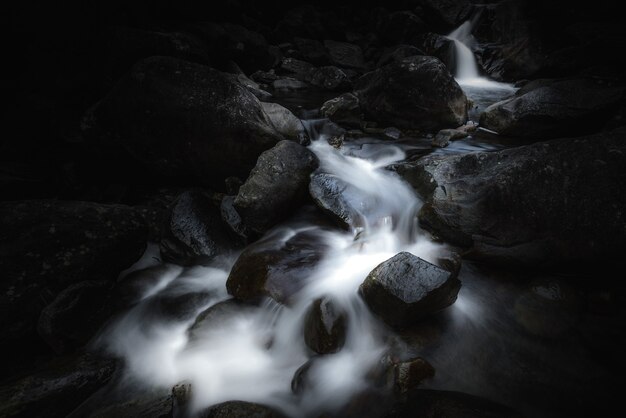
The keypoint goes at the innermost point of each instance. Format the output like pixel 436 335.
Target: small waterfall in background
pixel 466 67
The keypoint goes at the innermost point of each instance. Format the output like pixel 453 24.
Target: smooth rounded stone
pixel 343 54
pixel 444 136
pixel 325 326
pixel 56 389
pixel 329 78
pixel 76 314
pixel 299 382
pixel 344 203
pixel 286 123
pixel 48 245
pixel 276 187
pixel 439 403
pixel 289 84
pixel 564 107
pixel 275 268
pixel 343 110
pixel 183 119
pixel 398 53
pixel 409 374
pixel 415 93
pixel 239 409
pixel 177 303
pixel 214 316
pixel 312 51
pixel 548 308
pixel 194 231
pixel 405 289
pixel 547 203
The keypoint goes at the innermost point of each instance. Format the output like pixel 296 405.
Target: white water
pixel 232 358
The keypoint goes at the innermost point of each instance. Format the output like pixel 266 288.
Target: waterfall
pixel 466 67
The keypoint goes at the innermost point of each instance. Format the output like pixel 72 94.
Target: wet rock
pixel 444 136
pixel 286 123
pixel 56 389
pixel 194 232
pixel 492 202
pixel 436 403
pixel 265 77
pixel 344 54
pixel 439 46
pixel 240 409
pixel 181 399
pixel 232 218
pixel 289 84
pixel 76 314
pixel 298 68
pixel 312 51
pixel 183 119
pixel 561 108
pixel 275 268
pixel 49 245
pixel 548 308
pixel 216 315
pixel 344 110
pixel 325 327
pixel 336 141
pixel 156 403
pixel 392 133
pixel 408 374
pixel 398 53
pixel 451 261
pixel 329 78
pixel 300 383
pixel 276 187
pixel 346 204
pixel 416 93
pixel 405 289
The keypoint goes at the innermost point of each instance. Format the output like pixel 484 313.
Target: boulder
pixel 49 245
pixel 239 409
pixel 325 326
pixel 295 67
pixel 343 110
pixel 551 202
pixel 344 54
pixel 286 123
pixel 410 373
pixel 405 289
pixel 180 118
pixel 329 78
pixel 398 53
pixel 444 136
pixel 276 186
pixel 438 46
pixel 216 315
pixel 193 231
pixel 552 110
pixel 312 51
pixel 416 93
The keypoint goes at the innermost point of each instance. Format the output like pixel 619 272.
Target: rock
pixel 439 46
pixel 548 308
pixel 155 403
pixel 451 260
pixel 392 133
pixel 416 93
pixel 216 315
pixel 49 245
pixel 329 78
pixel 181 118
pixel 276 187
pixel 344 54
pixel 228 41
pixel 76 314
pixel 312 51
pixel 344 203
pixel 400 27
pixel 552 202
pixel 286 123
pixel 336 141
pixel 56 389
pixel 300 382
pixel 408 374
pixel 253 87
pixel 298 68
pixel 564 107
pixel 436 403
pixel 405 289
pixel 232 185
pixel 231 217
pixel 264 77
pixel 325 326
pixel 193 232
pixel 289 84
pixel 240 409
pixel 344 110
pixel 273 268
pixel 444 136
pixel 398 53
pixel 181 399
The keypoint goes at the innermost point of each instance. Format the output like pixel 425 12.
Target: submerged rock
pixel 410 373
pixel 181 119
pixel 325 326
pixel 405 289
pixel 276 187
pixel 554 109
pixel 416 93
pixel 194 232
pixel 551 202
pixel 215 316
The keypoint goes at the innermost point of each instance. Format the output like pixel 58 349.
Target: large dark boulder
pixel 286 123
pixel 554 109
pixel 405 289
pixel 180 118
pixel 276 186
pixel 48 245
pixel 239 409
pixel 344 110
pixel 438 46
pixel 552 202
pixel 325 326
pixel 417 93
pixel 193 231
